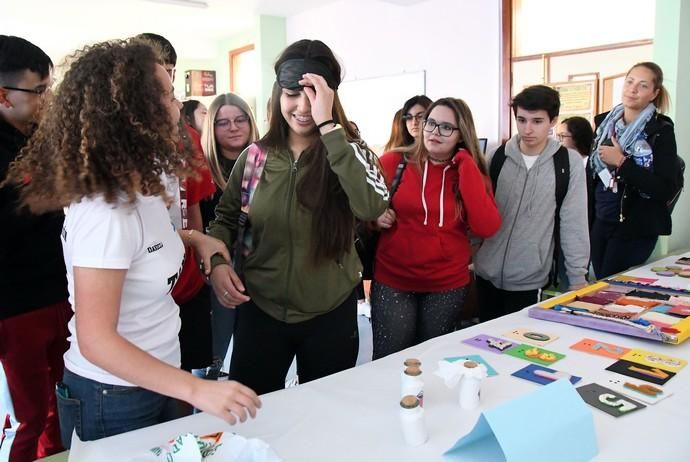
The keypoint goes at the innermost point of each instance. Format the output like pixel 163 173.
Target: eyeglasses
pixel 443 129
pixel 238 121
pixel 39 90
pixel 562 136
pixel 409 117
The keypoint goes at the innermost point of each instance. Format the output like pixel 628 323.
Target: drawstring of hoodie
pixel 440 199
pixel 532 189
pixel 426 211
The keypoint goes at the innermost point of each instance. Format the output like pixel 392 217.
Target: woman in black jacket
pixel 634 172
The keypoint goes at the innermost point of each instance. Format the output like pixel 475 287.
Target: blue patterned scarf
pixel 626 135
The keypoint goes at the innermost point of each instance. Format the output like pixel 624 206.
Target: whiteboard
pixel 371 103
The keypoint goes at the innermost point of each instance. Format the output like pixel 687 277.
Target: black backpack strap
pixel 561 168
pixel 366 239
pixel 561 165
pixel 652 130
pixel 496 165
pixel 398 175
pixel 253 168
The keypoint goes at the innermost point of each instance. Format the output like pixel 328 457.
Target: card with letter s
pixel 608 400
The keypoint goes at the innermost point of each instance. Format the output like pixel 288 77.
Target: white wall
pixel 455 41
pixel 545 25
pixel 672 53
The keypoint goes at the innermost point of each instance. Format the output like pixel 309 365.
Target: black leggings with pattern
pixel 402 319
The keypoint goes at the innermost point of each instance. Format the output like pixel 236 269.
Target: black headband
pixel 290 72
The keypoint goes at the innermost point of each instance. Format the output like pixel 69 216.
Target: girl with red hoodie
pixel 423 253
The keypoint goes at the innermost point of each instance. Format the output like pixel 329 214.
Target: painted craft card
pixel 680 310
pixel 640 371
pixel 597 347
pixel 535 354
pixel 651 359
pixel 543 375
pixel 489 343
pixel 683 261
pixel 636 389
pixel 531 336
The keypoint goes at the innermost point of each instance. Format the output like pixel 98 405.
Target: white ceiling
pixel 61 26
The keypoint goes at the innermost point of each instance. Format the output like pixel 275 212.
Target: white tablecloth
pixel 670 282
pixel 353 415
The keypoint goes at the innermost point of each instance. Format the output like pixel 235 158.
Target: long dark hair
pixel 396 138
pixel 581 131
pixel 405 138
pixel 319 190
pixel 187 111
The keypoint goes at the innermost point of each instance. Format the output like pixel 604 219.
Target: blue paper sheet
pixel 561 427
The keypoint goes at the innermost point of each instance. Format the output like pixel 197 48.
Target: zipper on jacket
pixel 293 180
pixel 621 217
pixel 512 228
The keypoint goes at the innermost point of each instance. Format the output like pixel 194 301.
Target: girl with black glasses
pixel 422 258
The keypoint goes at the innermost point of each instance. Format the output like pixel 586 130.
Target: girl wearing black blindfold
pixel 295 296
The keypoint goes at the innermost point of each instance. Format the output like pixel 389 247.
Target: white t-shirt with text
pixel 139 238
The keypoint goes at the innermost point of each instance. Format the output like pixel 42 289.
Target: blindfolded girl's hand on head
pixel 320 97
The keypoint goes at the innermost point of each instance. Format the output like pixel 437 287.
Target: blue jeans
pixel 97 410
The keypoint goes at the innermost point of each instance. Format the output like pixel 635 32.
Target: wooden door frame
pixel 232 54
pixel 506 68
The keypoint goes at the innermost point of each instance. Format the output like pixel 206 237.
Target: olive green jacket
pixel 279 274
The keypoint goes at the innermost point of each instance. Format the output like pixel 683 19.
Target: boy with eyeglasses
pixel 515 263
pixel 33 288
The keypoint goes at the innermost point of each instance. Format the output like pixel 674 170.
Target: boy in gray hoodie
pixel 514 264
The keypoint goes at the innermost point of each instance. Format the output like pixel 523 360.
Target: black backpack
pixel 680 163
pixel 561 167
pixel 680 171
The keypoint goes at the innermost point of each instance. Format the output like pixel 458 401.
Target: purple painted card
pixel 489 343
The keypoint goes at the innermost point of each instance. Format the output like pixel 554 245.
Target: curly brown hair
pixel 106 131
